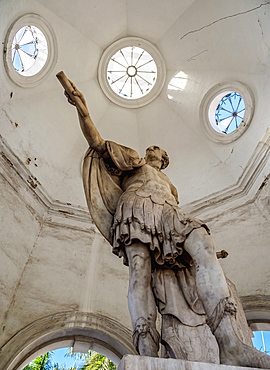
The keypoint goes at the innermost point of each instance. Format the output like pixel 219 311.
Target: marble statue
pixel 171 255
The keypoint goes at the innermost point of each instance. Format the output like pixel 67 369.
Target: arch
pixel 79 329
pixel 257 310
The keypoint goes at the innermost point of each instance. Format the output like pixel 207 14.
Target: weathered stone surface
pixel 129 362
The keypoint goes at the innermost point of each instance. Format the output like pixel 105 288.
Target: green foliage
pixel 43 362
pixel 57 367
pixel 96 361
pixel 40 363
pixel 92 361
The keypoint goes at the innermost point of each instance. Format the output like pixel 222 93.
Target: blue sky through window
pixel 261 341
pixel 24 48
pixel 230 112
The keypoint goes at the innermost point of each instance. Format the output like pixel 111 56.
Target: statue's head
pixel 141 327
pixel 155 153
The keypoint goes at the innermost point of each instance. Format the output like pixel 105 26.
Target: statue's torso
pixel 146 181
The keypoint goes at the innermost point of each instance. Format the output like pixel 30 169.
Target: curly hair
pixel 165 160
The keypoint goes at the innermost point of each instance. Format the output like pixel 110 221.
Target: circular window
pixel 229 113
pixel 131 72
pixel 29 50
pixel 227 110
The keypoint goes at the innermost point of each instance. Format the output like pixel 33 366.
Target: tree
pixel 96 361
pixel 40 363
pixel 92 361
pixel 43 362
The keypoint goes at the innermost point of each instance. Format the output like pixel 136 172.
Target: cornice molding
pixel 52 212
pixel 245 190
pixel 256 303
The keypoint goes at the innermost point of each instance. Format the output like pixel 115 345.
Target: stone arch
pixel 84 330
pixel 257 310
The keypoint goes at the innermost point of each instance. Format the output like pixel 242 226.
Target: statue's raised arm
pixel 76 98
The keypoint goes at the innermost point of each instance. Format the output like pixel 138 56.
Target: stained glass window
pixel 132 72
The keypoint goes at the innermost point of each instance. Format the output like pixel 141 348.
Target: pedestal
pixel 130 362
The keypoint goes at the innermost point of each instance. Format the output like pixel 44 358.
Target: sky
pixel 261 341
pixel 58 357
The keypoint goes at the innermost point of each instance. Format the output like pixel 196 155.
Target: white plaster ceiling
pixel 47 239
pixel 211 41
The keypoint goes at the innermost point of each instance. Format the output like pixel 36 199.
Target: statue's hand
pixel 74 96
pixel 76 93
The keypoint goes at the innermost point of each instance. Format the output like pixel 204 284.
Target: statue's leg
pixel 219 306
pixel 210 280
pixel 141 302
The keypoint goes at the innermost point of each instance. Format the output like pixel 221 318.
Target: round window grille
pixel 227 110
pixel 29 51
pixel 229 113
pixel 131 72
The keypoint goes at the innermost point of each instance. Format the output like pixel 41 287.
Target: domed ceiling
pixel 204 42
pixel 53 260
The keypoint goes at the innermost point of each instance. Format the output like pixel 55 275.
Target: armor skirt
pixel 163 227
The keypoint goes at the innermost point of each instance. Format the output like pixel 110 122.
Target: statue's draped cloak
pixel 102 189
